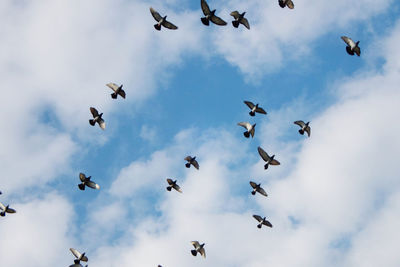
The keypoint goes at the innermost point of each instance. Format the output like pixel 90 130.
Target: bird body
pixel 174 185
pixel 239 19
pixel 191 161
pixel 87 182
pixel 198 249
pixel 304 127
pixel 250 129
pixel 210 15
pixel 268 159
pixel 5 209
pixel 161 21
pixel 117 90
pixel 352 47
pixel 262 221
pixel 257 188
pixel 284 3
pixel 254 108
pixel 97 118
pixel 79 257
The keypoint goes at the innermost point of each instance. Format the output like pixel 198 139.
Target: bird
pixel 6 209
pixel 257 188
pixel 288 3
pixel 97 118
pixel 239 18
pixel 269 160
pixel 117 90
pixel 192 161
pixel 254 108
pixel 87 182
pixel 210 15
pixel 161 21
pixel 79 257
pixel 262 221
pixel 304 127
pixel 198 249
pixel 172 184
pixel 352 47
pixel 250 129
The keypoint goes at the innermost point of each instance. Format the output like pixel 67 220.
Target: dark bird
pixel 198 249
pixel 6 209
pixel 269 160
pixel 250 129
pixel 239 18
pixel 117 90
pixel 97 118
pixel 254 108
pixel 87 182
pixel 210 15
pixel 79 257
pixel 304 127
pixel 351 47
pixel 192 161
pixel 262 221
pixel 288 3
pixel 257 188
pixel 172 184
pixel 161 21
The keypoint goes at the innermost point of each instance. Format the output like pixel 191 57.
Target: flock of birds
pixel 351 48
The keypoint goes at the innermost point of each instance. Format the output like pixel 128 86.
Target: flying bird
pixel 198 249
pixel 257 188
pixel 304 127
pixel 117 90
pixel 172 184
pixel 239 18
pixel 262 221
pixel 250 129
pixel 6 209
pixel 288 3
pixel 87 182
pixel 192 161
pixel 269 160
pixel 351 47
pixel 210 15
pixel 97 118
pixel 161 21
pixel 79 257
pixel 254 108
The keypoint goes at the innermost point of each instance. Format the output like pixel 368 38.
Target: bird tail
pixel 205 21
pixel 266 166
pixel 194 252
pixel 301 131
pixel 253 192
pixel 187 165
pixel 92 122
pixel 235 23
pixel 81 186
pixel 282 4
pixel 246 134
pixel 3 213
pixel 157 27
pixel 259 226
pixel 114 95
pixel 169 188
pixel 251 113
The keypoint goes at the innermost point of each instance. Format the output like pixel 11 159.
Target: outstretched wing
pixel 249 104
pixel 113 86
pixel 258 218
pixel 2 207
pixel 253 184
pixel 188 158
pixel 94 112
pixel 267 223
pixel 82 177
pixel 196 244
pixel 218 20
pixel 102 124
pixel 203 252
pixel 245 22
pixel 261 110
pixel 155 14
pixel 348 41
pixel 93 185
pixel 290 4
pixel 263 154
pixel 262 191
pixel 205 8
pixel 245 125
pixel 357 50
pixel 235 14
pixel 10 210
pixel 195 164
pixel 308 130
pixel 300 123
pixel 275 162
pixel 76 253
pixel 177 188
pixel 170 182
pixel 122 93
pixel 169 25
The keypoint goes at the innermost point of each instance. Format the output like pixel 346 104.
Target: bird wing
pixel 195 164
pixel 218 20
pixel 357 50
pixel 196 244
pixel 258 218
pixel 263 154
pixel 10 210
pixel 188 158
pixel 275 162
pixel 253 184
pixel 94 112
pixel 235 14
pixel 245 22
pixel 308 130
pixel 76 253
pixel 2 207
pixel 92 184
pixel 155 14
pixel 300 123
pixel 290 4
pixel 261 110
pixel 262 191
pixel 249 104
pixel 267 223
pixel 245 125
pixel 82 177
pixel 113 86
pixel 348 41
pixel 205 8
pixel 252 131
pixel 122 93
pixel 169 25
pixel 203 252
pixel 84 258
pixel 177 188
pixel 102 124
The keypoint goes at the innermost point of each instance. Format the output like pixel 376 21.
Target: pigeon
pixel 97 118
pixel 6 209
pixel 304 127
pixel 161 21
pixel 269 160
pixel 172 184
pixel 351 47
pixel 117 90
pixel 198 249
pixel 239 18
pixel 262 221
pixel 257 188
pixel 79 257
pixel 250 129
pixel 254 108
pixel 192 161
pixel 288 3
pixel 210 15
pixel 87 182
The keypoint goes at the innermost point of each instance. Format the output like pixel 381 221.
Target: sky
pixel 333 201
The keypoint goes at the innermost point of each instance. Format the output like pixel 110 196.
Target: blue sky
pixel 331 202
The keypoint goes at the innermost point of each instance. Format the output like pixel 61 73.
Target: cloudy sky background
pixel 334 201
